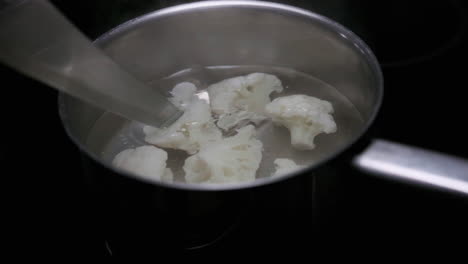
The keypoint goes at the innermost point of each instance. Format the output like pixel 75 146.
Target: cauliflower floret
pixel 182 94
pixel 242 98
pixel 285 166
pixel 233 159
pixel 194 128
pixel 304 116
pixel 148 161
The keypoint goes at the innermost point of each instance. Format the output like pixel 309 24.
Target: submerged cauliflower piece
pixel 242 98
pixel 233 159
pixel 285 166
pixel 194 128
pixel 304 116
pixel 148 161
pixel 182 94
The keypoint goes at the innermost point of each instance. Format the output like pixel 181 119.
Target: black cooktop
pixel 422 49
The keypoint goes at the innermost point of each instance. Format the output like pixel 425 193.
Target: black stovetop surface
pixel 422 48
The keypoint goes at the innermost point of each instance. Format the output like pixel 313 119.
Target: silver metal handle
pixel 415 165
pixel 37 40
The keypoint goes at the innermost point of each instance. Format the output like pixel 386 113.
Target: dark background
pixel 422 49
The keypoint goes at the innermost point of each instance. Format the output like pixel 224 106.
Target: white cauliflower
pixel 148 161
pixel 194 128
pixel 233 159
pixel 285 166
pixel 182 94
pixel 242 98
pixel 304 116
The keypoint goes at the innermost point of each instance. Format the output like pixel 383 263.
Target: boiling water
pixel 112 134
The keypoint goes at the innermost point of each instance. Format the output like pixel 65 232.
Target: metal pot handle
pixel 414 165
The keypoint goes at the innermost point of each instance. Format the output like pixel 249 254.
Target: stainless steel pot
pixel 213 33
pixel 257 33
